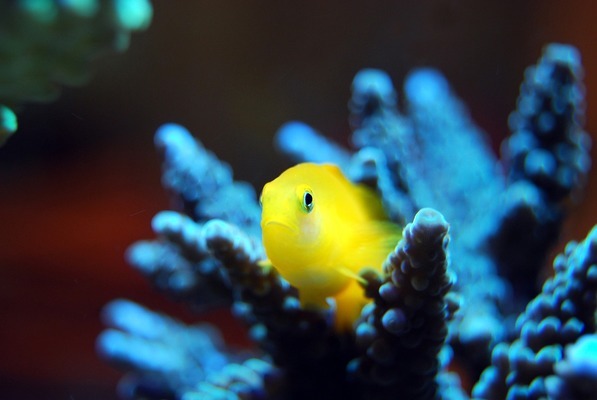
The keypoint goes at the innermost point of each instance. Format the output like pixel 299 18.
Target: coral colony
pixel 455 294
pixel 44 43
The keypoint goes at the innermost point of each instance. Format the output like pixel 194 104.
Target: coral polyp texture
pixel 455 298
pixel 46 43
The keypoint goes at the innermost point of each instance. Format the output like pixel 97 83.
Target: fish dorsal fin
pixel 370 201
pixel 334 170
pixel 366 196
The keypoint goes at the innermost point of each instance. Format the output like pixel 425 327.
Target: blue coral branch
pixel 547 159
pixel 253 379
pixel 380 133
pixel 576 374
pixel 557 317
pixel 411 159
pixel 302 143
pixel 403 332
pixel 302 343
pixel 179 264
pixel 164 357
pixel 202 184
pixel 548 146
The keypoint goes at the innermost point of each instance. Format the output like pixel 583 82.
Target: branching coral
pixel 576 374
pixel 547 156
pixel 560 315
pixel 179 262
pixel 503 215
pixel 435 304
pixel 403 332
pixel 45 43
pixel 160 352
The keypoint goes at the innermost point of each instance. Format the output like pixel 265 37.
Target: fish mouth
pixel 277 223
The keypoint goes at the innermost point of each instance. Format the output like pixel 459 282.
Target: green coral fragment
pixel 133 14
pixel 48 43
pixel 8 123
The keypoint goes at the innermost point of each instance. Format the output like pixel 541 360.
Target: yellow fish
pixel 319 230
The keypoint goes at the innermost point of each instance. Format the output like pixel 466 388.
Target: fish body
pixel 319 230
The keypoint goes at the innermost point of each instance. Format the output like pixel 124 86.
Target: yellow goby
pixel 319 230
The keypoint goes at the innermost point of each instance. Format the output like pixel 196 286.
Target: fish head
pixel 290 212
pixel 291 221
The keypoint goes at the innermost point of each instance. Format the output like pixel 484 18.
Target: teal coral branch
pixel 8 123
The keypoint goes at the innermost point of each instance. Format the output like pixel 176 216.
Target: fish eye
pixel 308 201
pixel 261 201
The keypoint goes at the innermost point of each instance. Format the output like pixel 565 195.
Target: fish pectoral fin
pixel 350 274
pixel 373 243
pixel 349 304
pixel 379 233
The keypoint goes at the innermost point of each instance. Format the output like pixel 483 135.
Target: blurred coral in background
pixel 79 181
pixel 44 43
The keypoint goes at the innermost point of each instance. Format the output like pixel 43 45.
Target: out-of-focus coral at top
pixel 46 43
